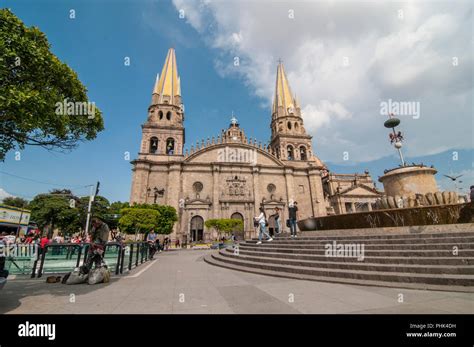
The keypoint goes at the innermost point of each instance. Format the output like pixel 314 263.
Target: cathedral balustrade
pixel 224 139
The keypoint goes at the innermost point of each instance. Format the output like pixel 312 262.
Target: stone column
pixel 290 184
pixel 139 183
pixel 250 215
pixel 316 187
pixel 256 188
pixel 184 225
pixel 173 186
pixel 342 206
pixel 216 211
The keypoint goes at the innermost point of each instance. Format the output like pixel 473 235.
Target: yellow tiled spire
pixel 155 89
pixel 168 84
pixel 283 96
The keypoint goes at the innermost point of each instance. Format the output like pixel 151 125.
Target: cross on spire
pixel 233 120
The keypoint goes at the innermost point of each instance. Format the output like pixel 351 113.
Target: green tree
pixel 100 207
pixel 224 226
pixel 15 202
pixel 33 83
pixel 113 214
pixel 116 206
pixel 166 218
pixel 57 211
pixel 138 220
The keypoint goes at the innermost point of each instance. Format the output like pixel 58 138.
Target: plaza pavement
pixel 181 282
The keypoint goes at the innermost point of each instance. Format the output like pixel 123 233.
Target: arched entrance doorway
pixel 197 229
pixel 238 232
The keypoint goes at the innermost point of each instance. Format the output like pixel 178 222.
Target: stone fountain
pixel 411 198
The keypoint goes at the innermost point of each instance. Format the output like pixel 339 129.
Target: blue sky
pixel 95 45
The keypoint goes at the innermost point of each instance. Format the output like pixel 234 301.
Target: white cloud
pixel 344 58
pixel 322 114
pixel 4 194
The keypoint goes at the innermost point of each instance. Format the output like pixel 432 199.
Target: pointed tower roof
pixel 168 83
pixel 283 96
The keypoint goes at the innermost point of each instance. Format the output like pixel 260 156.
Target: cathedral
pixel 231 175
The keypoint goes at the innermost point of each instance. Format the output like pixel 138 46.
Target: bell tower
pixel 289 140
pixel 163 132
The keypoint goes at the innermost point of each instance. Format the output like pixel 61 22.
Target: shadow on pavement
pixel 16 290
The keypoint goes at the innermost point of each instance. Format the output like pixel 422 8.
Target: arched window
pixel 153 144
pixel 296 126
pixel 170 146
pixel 291 155
pixel 303 155
pixel 289 125
pixel 168 115
pixel 160 114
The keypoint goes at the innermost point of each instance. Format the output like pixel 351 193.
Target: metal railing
pixel 64 257
pixel 18 257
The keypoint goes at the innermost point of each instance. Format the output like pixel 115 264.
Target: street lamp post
pixel 395 137
pixel 89 207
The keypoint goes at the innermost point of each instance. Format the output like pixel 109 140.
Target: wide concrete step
pixel 267 247
pixel 410 241
pixel 216 261
pixel 356 265
pixel 359 275
pixel 452 260
pixel 424 246
pixel 303 235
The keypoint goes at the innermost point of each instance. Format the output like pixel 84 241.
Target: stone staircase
pixel 418 261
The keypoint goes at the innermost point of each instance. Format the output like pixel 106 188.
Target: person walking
pixel 262 221
pixel 10 239
pixel 29 238
pixel 293 216
pixel 277 218
pixel 157 245
pixel 42 244
pixel 151 240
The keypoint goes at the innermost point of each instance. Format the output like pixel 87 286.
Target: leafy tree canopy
pixel 100 206
pixel 15 202
pixel 55 210
pixel 224 226
pixel 33 85
pixel 165 218
pixel 138 220
pixel 116 206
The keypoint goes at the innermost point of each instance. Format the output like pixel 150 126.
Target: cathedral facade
pixel 228 175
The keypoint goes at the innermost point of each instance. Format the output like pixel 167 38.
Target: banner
pixel 12 215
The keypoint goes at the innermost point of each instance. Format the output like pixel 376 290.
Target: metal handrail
pixel 141 245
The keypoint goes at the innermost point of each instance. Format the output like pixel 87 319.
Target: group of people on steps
pixel 261 221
